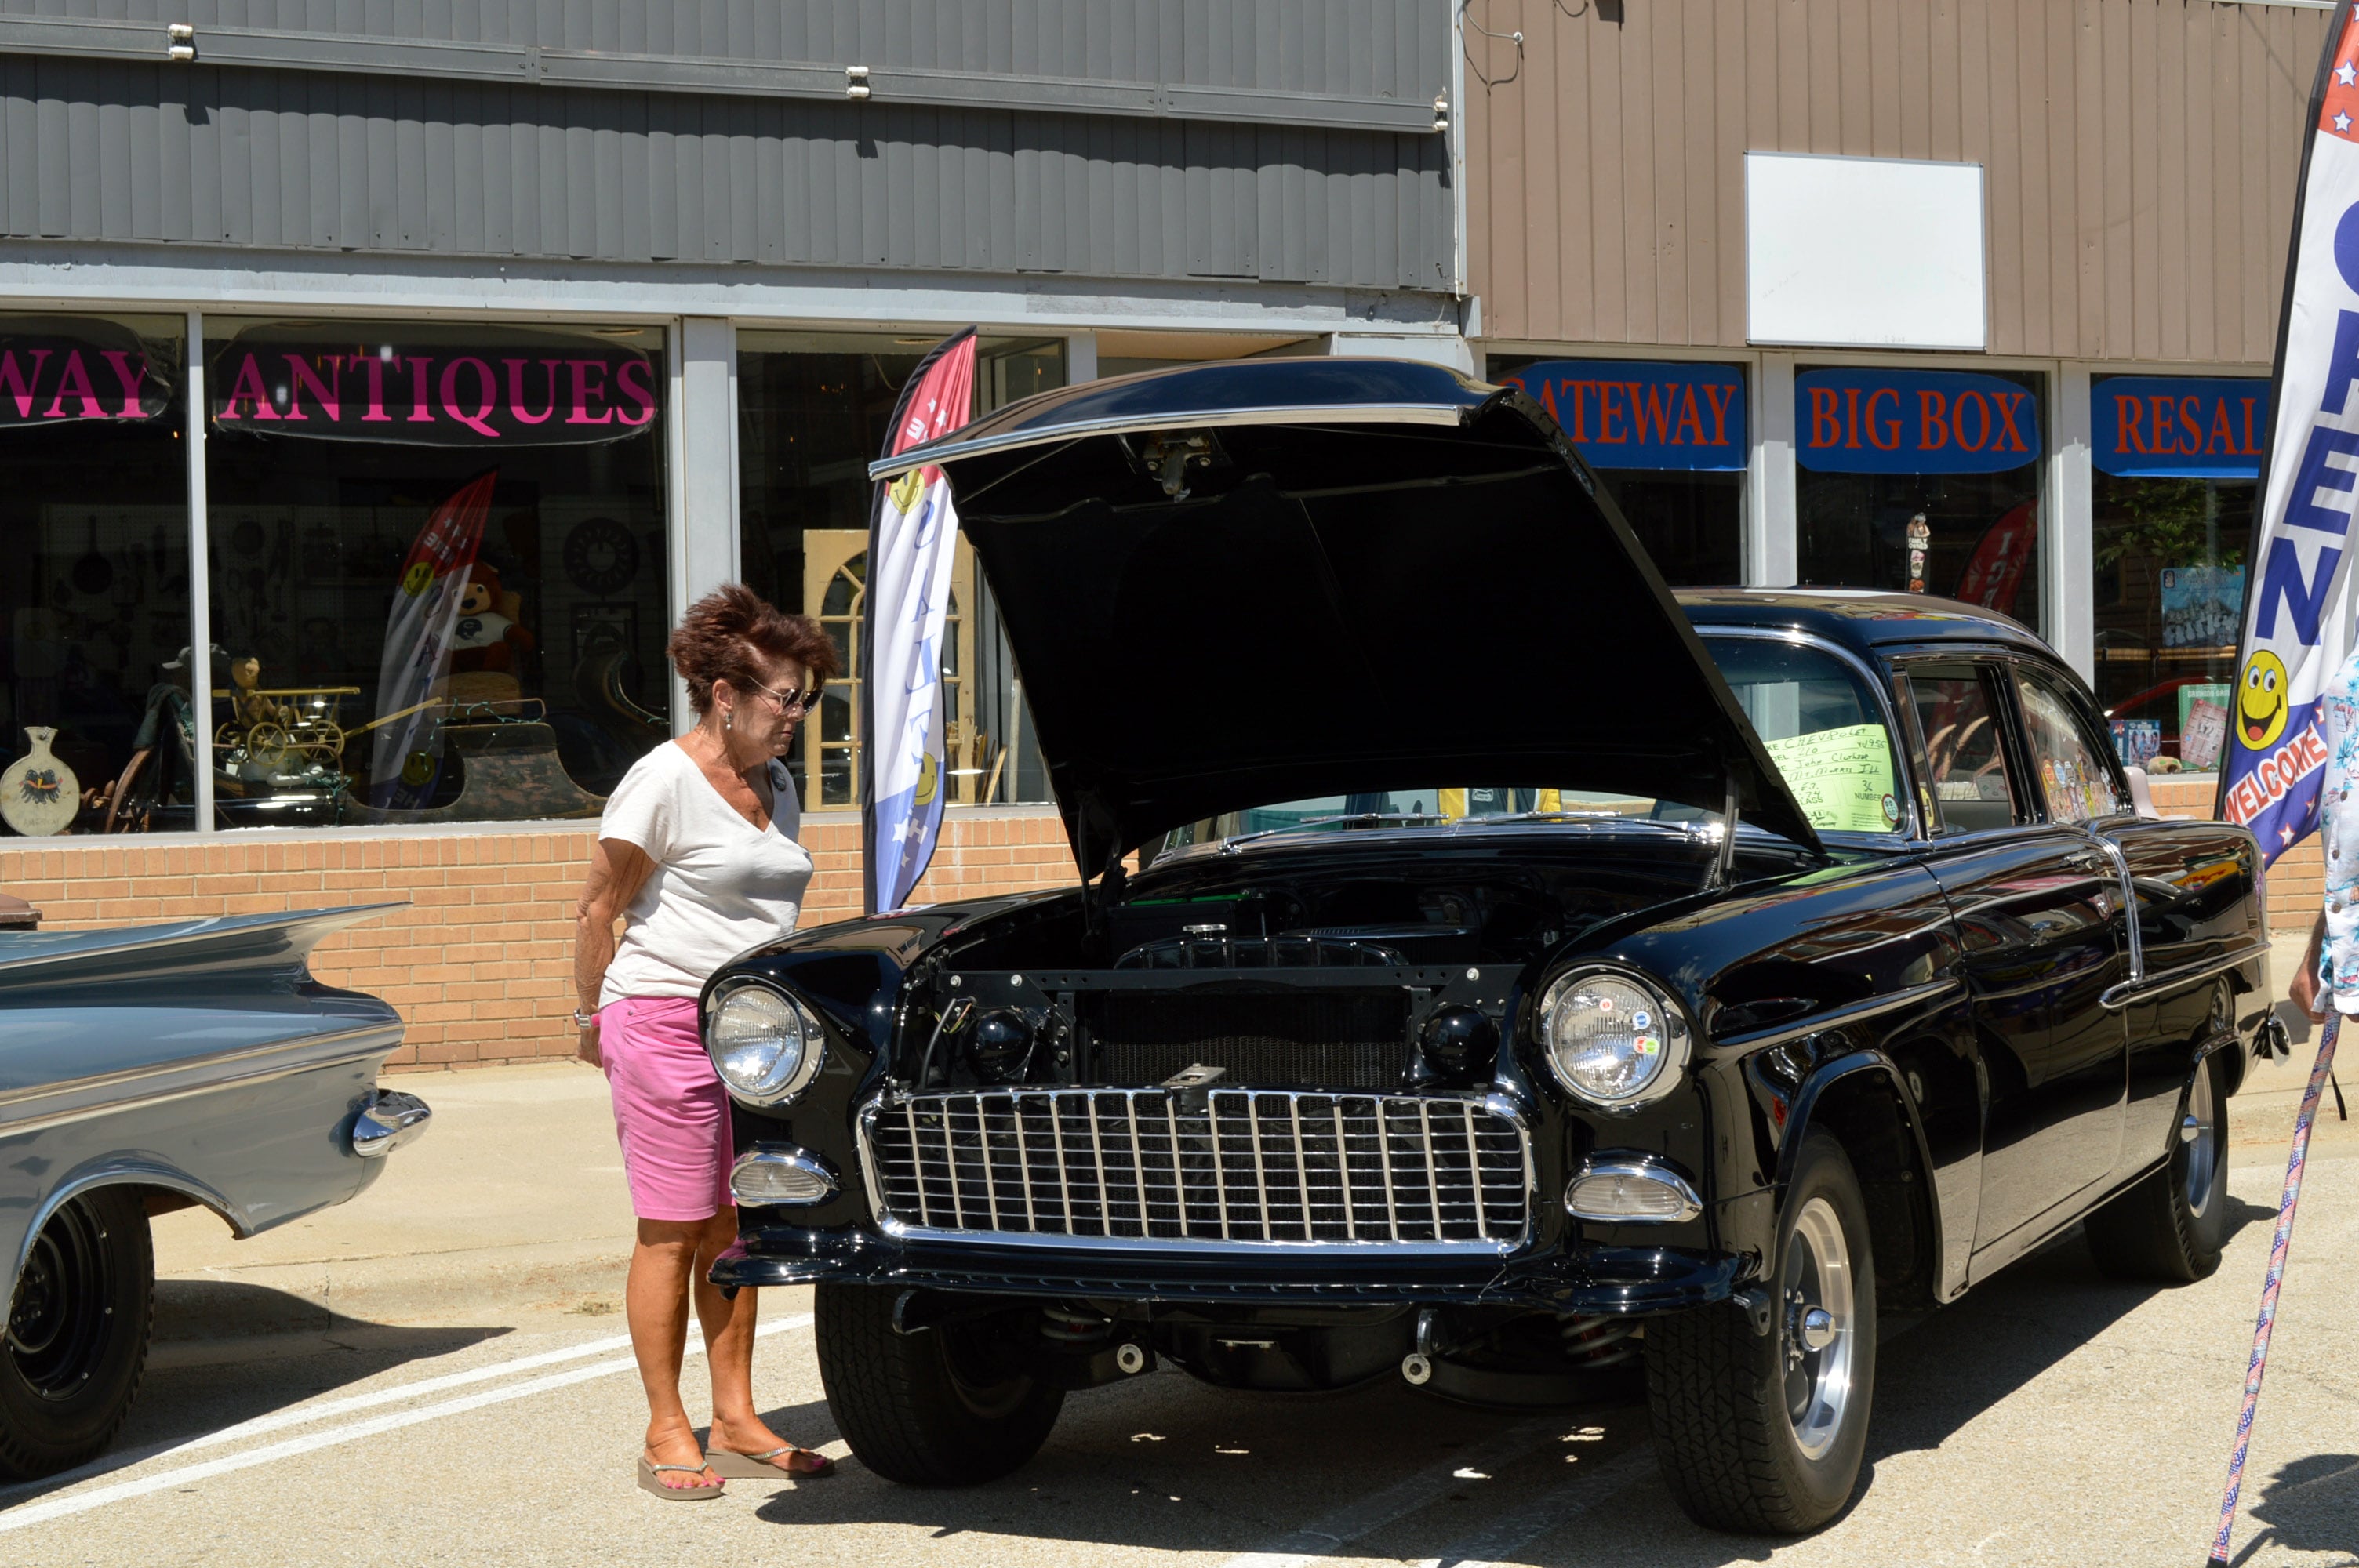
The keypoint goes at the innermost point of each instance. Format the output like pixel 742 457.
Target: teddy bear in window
pixel 487 636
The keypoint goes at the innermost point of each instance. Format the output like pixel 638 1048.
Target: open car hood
pixel 1233 584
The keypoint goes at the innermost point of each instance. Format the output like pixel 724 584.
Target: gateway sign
pixel 58 374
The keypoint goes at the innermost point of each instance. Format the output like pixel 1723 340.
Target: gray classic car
pixel 143 1070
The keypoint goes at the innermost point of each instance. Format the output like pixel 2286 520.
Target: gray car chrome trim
pixel 388 1122
pixel 2140 987
pixel 1853 1012
pixel 1646 1167
pixel 1201 419
pixel 1918 830
pixel 365 1042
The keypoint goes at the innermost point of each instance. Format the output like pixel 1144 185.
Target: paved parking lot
pixel 445 1379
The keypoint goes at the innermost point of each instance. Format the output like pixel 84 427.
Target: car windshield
pixel 1821 725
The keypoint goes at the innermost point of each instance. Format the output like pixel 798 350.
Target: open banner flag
pixel 2299 610
pixel 912 538
pixel 406 754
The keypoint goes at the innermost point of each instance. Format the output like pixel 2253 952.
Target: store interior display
pixel 2169 556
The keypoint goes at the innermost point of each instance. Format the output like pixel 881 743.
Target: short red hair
pixel 722 632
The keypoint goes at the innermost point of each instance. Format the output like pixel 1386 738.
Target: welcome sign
pixel 1913 421
pixel 490 388
pixel 1636 414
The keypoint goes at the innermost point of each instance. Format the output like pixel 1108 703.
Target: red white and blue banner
pixel 1644 413
pixel 912 544
pixel 2299 610
pixel 406 753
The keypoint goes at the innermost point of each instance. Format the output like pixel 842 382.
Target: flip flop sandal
pixel 757 1467
pixel 651 1480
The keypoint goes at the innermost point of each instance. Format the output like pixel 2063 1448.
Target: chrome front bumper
pixel 387 1123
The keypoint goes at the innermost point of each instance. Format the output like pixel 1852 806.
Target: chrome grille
pixel 1251 1166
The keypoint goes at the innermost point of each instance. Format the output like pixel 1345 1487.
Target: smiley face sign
pixel 2261 701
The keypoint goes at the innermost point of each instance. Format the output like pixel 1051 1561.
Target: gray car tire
pixel 78 1318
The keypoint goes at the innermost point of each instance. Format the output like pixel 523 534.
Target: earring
pixel 729 721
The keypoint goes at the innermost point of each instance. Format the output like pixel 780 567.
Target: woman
pixel 696 854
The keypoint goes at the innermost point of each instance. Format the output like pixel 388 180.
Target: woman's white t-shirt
pixel 720 885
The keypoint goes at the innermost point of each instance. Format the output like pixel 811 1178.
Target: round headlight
pixel 765 1045
pixel 1612 1039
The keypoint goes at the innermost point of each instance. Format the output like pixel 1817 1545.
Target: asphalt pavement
pixel 436 1372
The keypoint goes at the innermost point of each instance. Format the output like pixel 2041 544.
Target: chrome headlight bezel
pixel 795 1026
pixel 1676 1034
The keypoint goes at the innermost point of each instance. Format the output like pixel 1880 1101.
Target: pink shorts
pixel 671 1114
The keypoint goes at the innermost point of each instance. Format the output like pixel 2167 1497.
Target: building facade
pixel 1976 299
pixel 612 303
pixel 1973 300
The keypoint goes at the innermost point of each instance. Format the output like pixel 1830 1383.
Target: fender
pixel 123 1171
pixel 1854 1064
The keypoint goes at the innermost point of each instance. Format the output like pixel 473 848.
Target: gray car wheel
pixel 77 1334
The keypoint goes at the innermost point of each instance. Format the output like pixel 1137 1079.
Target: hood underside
pixel 1235 584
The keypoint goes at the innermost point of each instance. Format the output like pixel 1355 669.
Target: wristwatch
pixel 584 1019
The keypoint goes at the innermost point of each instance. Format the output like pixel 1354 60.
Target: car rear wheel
pixel 2172 1226
pixel 1764 1432
pixel 77 1334
pixel 951 1406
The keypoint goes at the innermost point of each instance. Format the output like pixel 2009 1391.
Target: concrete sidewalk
pixel 513 1205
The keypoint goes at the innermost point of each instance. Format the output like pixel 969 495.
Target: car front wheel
pixel 1764 1432
pixel 951 1406
pixel 77 1340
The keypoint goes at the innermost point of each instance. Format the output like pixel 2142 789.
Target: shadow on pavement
pixel 2311 1505
pixel 226 1353
pixel 1187 1468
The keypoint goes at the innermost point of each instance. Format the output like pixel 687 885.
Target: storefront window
pixel 1921 482
pixel 813 412
pixel 1668 440
pixel 94 576
pixel 437 566
pixel 2177 458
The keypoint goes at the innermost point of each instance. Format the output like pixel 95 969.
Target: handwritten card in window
pixel 1841 778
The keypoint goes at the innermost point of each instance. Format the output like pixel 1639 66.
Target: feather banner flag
pixel 2298 604
pixel 912 542
pixel 404 756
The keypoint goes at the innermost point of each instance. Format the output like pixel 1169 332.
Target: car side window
pixel 2074 780
pixel 1965 753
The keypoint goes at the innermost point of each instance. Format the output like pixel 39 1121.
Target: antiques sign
pixel 59 372
pixel 491 387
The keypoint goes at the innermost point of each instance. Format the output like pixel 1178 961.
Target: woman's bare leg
pixel 655 1300
pixel 729 1345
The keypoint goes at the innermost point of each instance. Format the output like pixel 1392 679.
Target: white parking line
pixel 1504 1537
pixel 1330 1535
pixel 99 1497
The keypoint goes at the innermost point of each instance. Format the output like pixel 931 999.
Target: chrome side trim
pixel 1207 418
pixel 2141 987
pixel 392 1121
pixel 1853 1012
pixel 343 1048
pixel 1642 1167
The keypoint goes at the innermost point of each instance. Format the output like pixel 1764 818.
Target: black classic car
pixel 1490 970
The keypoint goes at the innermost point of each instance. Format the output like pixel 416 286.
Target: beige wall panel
pixel 2140 158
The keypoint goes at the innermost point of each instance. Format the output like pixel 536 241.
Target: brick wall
pixel 481 963
pixel 2297 883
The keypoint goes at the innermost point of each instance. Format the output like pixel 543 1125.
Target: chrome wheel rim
pixel 2200 1135
pixel 1819 1327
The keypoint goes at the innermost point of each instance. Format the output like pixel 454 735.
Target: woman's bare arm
pixel 618 871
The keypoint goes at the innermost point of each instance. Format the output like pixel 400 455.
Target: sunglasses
pixel 791 700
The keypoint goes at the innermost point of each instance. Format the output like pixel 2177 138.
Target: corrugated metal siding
pixel 2140 153
pixel 100 150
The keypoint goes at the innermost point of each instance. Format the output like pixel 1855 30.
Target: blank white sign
pixel 1866 252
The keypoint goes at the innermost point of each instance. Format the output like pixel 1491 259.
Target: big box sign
pixel 1913 421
